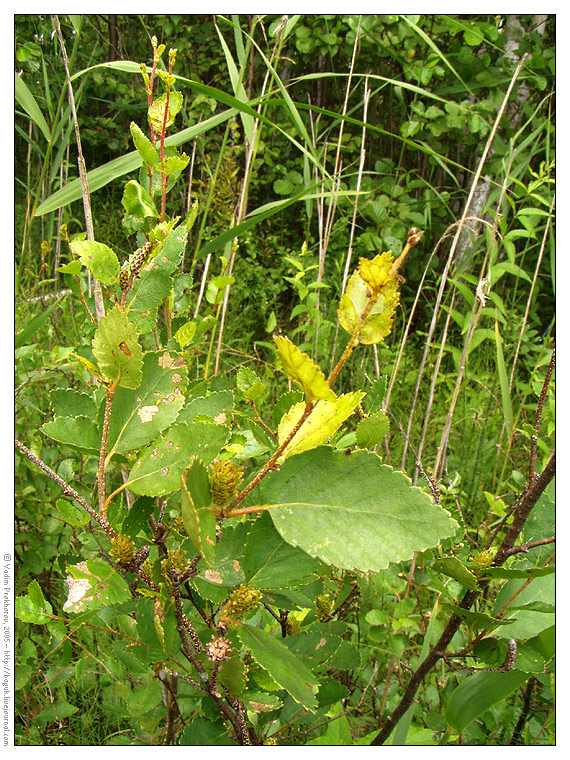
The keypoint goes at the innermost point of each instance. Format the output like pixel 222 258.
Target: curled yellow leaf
pixel 303 370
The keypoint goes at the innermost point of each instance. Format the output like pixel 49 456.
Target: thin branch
pixel 66 488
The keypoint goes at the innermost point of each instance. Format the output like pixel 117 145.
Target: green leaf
pixel 216 406
pixel 73 267
pixel 157 472
pixel 453 568
pixel 101 261
pixel 527 623
pixel 197 514
pixel 498 270
pixel 55 712
pixel 371 431
pixel 146 150
pixel 79 433
pixel 478 619
pixel 249 383
pixel 32 328
pixel 352 512
pixel 320 425
pixel 33 608
pixel 116 348
pixel 137 201
pixel 139 415
pixel 286 670
pixel 503 379
pixel 478 693
pixel 228 572
pixel 71 514
pixel 27 101
pixel 201 732
pixel 145 697
pixel 269 562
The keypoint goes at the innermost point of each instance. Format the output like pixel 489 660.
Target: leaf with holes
pixel 116 348
pixel 352 512
pixel 141 414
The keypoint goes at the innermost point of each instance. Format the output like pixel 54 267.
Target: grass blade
pixel 503 379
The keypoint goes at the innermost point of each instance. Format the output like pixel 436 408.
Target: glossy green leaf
pixel 371 430
pixel 269 562
pixel 146 150
pixel 478 693
pixel 158 470
pixel 249 383
pixel 197 514
pixel 286 670
pixel 73 267
pixel 117 350
pixel 527 622
pixel 352 512
pixel 98 258
pixel 137 201
pixel 139 415
pixel 217 406
pixel 227 571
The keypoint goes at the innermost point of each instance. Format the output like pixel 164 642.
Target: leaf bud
pixel 414 236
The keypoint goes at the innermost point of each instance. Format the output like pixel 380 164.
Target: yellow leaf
pixel 356 298
pixel 303 370
pixel 320 425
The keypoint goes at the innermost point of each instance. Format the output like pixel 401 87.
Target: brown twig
pixel 66 488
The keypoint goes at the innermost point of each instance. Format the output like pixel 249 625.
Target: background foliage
pixel 378 124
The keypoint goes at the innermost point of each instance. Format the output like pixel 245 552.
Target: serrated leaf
pixel 197 515
pixel 185 334
pixel 137 201
pixel 371 431
pixel 158 470
pixel 269 562
pixel 146 150
pixel 284 403
pixel 320 425
pixel 352 512
pixel 228 571
pixel 116 348
pixel 90 367
pixel 66 402
pixel 71 514
pixel 33 608
pixel 355 300
pixel 139 415
pixel 157 110
pixel 303 370
pixel 101 261
pixel 286 670
pixel 249 383
pixel 78 433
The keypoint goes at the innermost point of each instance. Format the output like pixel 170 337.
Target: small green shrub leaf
pixel 101 261
pixel 286 670
pixel 137 201
pixel 352 512
pixel 146 150
pixel 197 514
pixel 116 348
pixel 478 693
pixel 371 431
pixel 158 470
